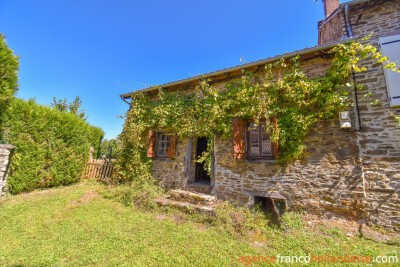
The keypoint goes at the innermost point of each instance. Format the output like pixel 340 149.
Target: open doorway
pixel 201 174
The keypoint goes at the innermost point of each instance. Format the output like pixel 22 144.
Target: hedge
pixel 52 146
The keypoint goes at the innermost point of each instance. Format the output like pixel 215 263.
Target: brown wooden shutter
pixel 239 138
pixel 275 145
pixel 172 147
pixel 151 153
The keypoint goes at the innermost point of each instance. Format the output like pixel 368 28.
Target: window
pixel 390 47
pixel 163 144
pixel 258 142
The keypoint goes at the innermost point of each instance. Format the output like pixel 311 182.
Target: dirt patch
pixel 86 198
pixel 349 227
pixel 161 217
pixel 172 217
pixel 90 195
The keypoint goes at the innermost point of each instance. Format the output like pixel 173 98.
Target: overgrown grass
pixel 79 226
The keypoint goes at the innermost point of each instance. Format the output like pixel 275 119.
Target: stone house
pixel 353 171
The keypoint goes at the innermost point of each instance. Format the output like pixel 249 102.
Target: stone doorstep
pixel 164 201
pixel 191 197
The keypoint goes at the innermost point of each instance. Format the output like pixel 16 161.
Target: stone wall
pixel 5 160
pixel 380 17
pixel 379 150
pixel 379 136
pixel 172 172
pixel 329 177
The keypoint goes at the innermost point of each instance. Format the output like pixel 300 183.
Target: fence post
pixel 91 152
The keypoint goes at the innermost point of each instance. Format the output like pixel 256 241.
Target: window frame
pixel 167 144
pixel 391 77
pixel 248 144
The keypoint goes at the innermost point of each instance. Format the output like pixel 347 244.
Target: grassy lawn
pixel 77 226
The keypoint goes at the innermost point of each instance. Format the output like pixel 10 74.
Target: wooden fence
pixel 99 169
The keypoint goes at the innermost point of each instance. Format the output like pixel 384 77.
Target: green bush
pixel 8 74
pixel 52 146
pixel 8 77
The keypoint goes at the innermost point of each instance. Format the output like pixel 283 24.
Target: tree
pixel 60 104
pixel 74 107
pixel 8 79
pixel 8 74
pixel 115 146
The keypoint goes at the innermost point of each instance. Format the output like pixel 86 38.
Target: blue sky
pixel 100 49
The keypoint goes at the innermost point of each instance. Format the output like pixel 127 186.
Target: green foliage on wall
pixel 52 146
pixel 8 74
pixel 297 100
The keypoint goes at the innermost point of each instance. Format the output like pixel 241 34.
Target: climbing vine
pixel 285 91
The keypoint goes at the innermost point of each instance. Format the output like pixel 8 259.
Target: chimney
pixel 330 6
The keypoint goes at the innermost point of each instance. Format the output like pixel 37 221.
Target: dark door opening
pixel 201 174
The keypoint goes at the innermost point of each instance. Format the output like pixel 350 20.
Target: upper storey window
pixel 390 47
